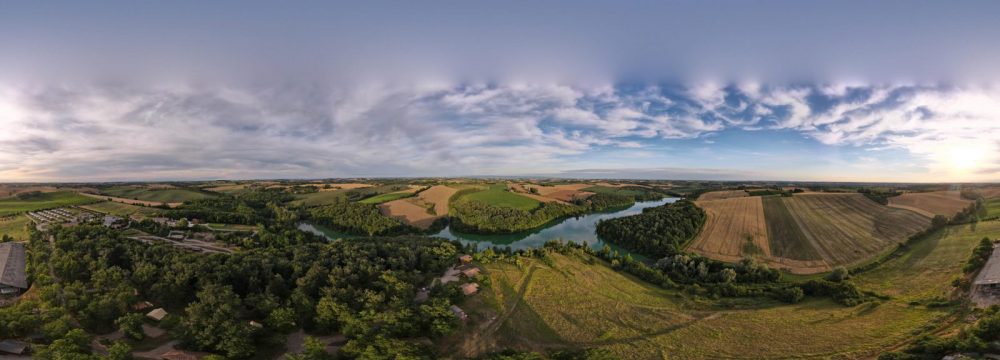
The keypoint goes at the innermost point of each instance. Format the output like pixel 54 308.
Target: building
pixel 465 259
pixel 461 315
pixel 470 272
pixel 988 280
pixel 141 306
pixel 12 278
pixel 13 347
pixel 470 288
pixel 110 221
pixel 157 314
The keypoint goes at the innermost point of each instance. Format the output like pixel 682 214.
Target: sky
pixel 895 91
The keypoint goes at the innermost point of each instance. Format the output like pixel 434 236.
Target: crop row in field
pixel 48 200
pixel 577 301
pixel 806 233
pixel 946 203
pixel 421 211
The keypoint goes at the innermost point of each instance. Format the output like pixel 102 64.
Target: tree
pixel 313 349
pixel 213 323
pixel 74 346
pixel 282 319
pixel 838 274
pixel 119 351
pixel 131 326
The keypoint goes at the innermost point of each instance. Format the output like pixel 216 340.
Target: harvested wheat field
pixel 735 227
pixel 423 209
pixel 723 194
pixel 804 234
pixel 990 192
pixel 563 192
pixel 11 190
pixel 847 228
pixel 346 186
pixel 947 203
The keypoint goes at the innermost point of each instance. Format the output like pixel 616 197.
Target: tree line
pixel 657 231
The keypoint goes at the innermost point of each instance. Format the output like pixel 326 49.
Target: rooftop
pixel 12 265
pixel 990 274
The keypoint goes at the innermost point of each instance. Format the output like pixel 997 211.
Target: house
pixel 157 314
pixel 461 315
pixel 465 259
pixel 471 272
pixel 13 347
pixel 988 280
pixel 12 278
pixel 140 306
pixel 470 288
pixel 256 324
pixel 176 235
pixel 110 221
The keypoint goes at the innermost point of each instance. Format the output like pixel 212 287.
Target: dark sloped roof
pixel 13 347
pixel 990 274
pixel 12 265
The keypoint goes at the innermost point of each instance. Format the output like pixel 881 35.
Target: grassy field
pixel 578 301
pixel 497 195
pixel 926 271
pixel 156 195
pixel 786 238
pixel 14 227
pixel 378 199
pixel 993 207
pixel 48 200
pixel 723 194
pixel 230 227
pixel 119 209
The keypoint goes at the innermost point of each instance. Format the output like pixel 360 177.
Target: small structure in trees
pixel 13 347
pixel 470 289
pixel 157 314
pixel 461 315
pixel 12 266
pixel 465 259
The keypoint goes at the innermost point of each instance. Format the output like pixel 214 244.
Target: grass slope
pixel 14 227
pixel 378 199
pixel 9 206
pixel 497 195
pixel 576 301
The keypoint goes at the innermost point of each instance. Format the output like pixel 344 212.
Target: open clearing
pixel 723 194
pixel 119 209
pixel 378 199
pixel 159 194
pixel 497 195
pixel 49 200
pixel 423 209
pixel 947 203
pixel 561 192
pixel 581 302
pixel 13 226
pixel 804 234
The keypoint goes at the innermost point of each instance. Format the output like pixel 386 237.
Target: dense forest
pixel 248 208
pixel 657 231
pixel 90 276
pixel 357 218
pixel 480 217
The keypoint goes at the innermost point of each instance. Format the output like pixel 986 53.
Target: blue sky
pixel 733 90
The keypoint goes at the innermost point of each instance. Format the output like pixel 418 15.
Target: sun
pixel 965 158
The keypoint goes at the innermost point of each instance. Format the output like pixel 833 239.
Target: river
pixel 580 229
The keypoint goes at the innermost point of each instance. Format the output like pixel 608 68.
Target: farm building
pixel 142 305
pixel 157 314
pixel 470 272
pixel 470 288
pixel 461 315
pixel 12 277
pixel 988 280
pixel 13 347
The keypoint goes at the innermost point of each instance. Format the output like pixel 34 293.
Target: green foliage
pixel 313 349
pixel 838 274
pixel 74 345
pixel 979 256
pixel 131 326
pixel 356 218
pixel 166 195
pixel 212 323
pixel 657 231
pixel 481 217
pixel 378 199
pixel 880 196
pixel 497 195
pixel 248 208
